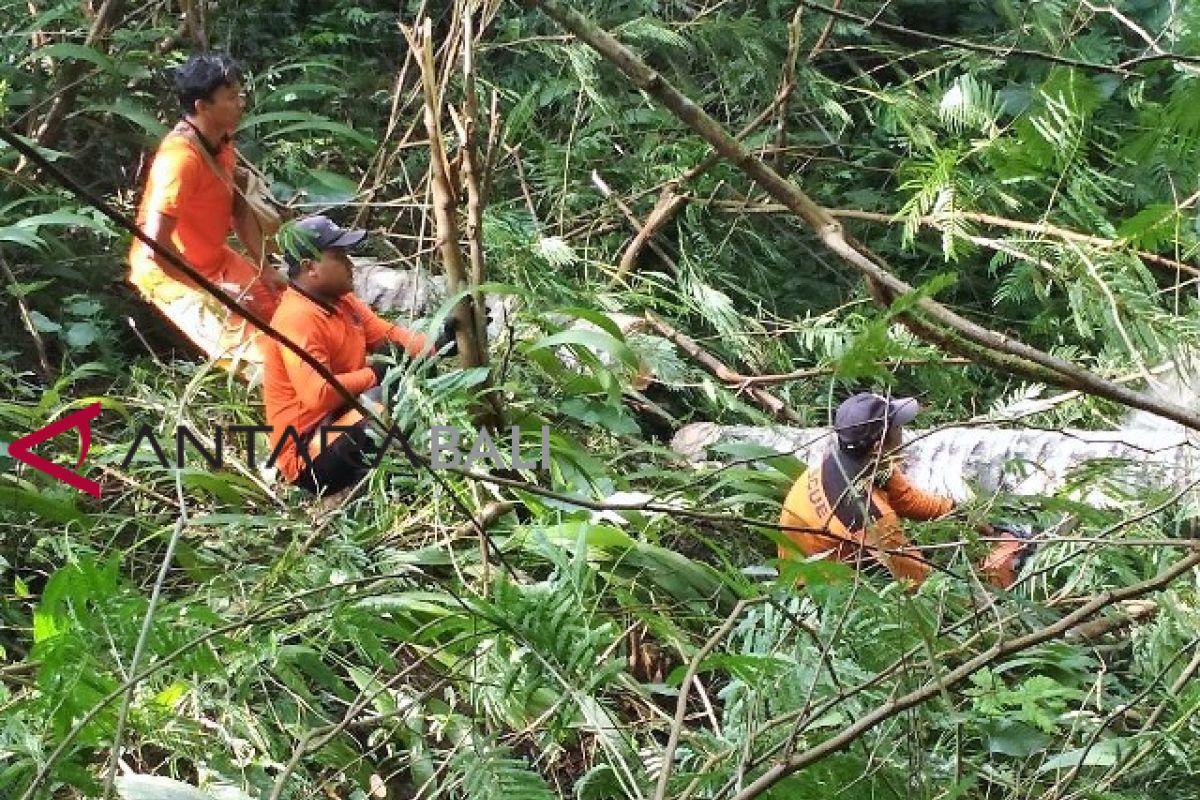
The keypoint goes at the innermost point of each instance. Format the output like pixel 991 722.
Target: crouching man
pixel 319 312
pixel 849 507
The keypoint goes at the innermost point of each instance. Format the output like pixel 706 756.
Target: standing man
pixel 187 208
pixel 320 312
pixel 849 507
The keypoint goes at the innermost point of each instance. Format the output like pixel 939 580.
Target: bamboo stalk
pixel 472 178
pixel 445 200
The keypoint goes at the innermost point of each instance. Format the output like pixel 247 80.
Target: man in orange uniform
pixel 187 208
pixel 321 314
pixel 849 507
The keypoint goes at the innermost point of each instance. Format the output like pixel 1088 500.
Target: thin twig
pixel 668 756
pixel 761 397
pixel 144 633
pixel 932 689
pixel 27 319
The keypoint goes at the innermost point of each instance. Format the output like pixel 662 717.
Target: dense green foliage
pixel 297 650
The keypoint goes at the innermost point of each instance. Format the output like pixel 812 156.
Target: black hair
pixel 293 267
pixel 200 76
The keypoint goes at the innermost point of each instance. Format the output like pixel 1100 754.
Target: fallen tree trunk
pixel 1096 467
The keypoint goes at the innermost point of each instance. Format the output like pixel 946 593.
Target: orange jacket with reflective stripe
pixel 337 335
pixel 830 510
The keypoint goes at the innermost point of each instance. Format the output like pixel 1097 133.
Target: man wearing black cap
pixel 850 505
pixel 320 312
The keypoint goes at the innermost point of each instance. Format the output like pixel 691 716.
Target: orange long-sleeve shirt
pixel 338 336
pixel 825 513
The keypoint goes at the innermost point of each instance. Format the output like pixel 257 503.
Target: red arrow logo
pixel 80 420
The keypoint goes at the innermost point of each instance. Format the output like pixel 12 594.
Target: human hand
pixel 1015 534
pixel 448 337
pixel 232 290
pixel 379 367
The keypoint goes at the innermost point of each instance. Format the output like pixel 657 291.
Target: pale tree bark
pixel 445 199
pixel 928 318
pixel 473 178
pixel 191 25
pixel 951 460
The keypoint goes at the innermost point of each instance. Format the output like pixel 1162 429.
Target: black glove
pixel 448 336
pixel 380 369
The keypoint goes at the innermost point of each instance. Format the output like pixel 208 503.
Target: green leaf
pixel 1102 754
pixel 72 51
pixel 25 289
pixel 603 536
pixel 46 626
pixel 430 603
pixel 328 187
pixel 82 334
pixel 44 152
pixel 15 235
pixel 1015 739
pixel 786 463
pixel 600 320
pixel 303 121
pixel 62 219
pixel 295 91
pixel 593 340
pixel 600 783
pixel 751 669
pixel 44 324
pixel 603 415
pixel 126 109
pixel 1151 227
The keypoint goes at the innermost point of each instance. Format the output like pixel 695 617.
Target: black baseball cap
pixel 310 235
pixel 862 419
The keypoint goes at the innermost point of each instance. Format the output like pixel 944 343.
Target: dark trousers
pixel 340 465
pixel 343 463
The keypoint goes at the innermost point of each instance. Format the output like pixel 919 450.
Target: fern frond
pixel 969 104
pixel 932 183
pixel 647 30
pixel 490 772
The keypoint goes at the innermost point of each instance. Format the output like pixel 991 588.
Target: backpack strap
pixel 188 135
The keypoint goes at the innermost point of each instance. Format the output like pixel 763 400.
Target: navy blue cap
pixel 862 420
pixel 311 235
